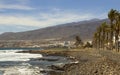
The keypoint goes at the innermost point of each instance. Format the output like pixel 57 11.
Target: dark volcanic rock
pixel 47 59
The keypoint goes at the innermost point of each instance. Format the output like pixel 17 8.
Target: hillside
pixel 84 29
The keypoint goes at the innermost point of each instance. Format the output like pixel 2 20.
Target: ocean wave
pixel 11 55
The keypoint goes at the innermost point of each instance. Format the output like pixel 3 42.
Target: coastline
pixel 86 61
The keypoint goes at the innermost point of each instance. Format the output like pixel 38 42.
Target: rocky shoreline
pixel 88 62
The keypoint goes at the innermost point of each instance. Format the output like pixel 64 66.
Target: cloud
pixel 17 20
pixel 62 17
pixel 14 1
pixel 18 7
pixel 45 19
pixel 15 4
pixel 23 1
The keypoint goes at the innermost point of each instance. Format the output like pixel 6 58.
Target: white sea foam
pixel 21 70
pixel 16 69
pixel 10 55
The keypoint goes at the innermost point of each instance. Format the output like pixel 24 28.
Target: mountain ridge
pixel 68 31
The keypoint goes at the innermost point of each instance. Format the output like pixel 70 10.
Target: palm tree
pixel 117 29
pixel 107 33
pixel 111 16
pixel 95 40
pixel 99 30
pixel 103 26
pixel 101 36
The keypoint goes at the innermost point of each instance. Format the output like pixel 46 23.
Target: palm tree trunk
pixel 111 37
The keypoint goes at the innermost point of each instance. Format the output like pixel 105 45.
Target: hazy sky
pixel 20 15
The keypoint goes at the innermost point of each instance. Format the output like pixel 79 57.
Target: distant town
pixel 33 43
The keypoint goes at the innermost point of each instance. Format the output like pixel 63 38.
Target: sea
pixel 13 63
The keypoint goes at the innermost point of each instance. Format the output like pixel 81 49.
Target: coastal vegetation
pixel 107 35
pixel 78 41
